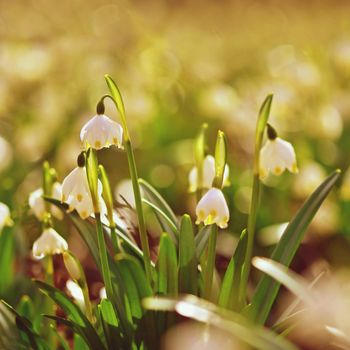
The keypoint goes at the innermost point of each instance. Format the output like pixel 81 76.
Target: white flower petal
pixel 208 171
pixel 212 208
pixel 208 175
pixel 115 136
pixel 5 218
pixel 76 292
pixel 100 132
pixel 37 203
pixel 276 156
pixel 49 243
pixel 76 193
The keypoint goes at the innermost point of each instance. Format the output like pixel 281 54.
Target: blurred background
pixel 179 64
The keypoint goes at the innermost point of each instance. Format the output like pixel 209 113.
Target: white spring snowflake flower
pixel 276 156
pixel 208 175
pixel 212 209
pixel 5 216
pixel 76 192
pixel 100 132
pixel 49 243
pixel 37 202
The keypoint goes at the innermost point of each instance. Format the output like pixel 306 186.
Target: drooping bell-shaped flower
pixel 37 202
pixel 276 155
pixel 208 175
pixel 100 132
pixel 76 192
pixel 212 209
pixel 49 243
pixel 5 216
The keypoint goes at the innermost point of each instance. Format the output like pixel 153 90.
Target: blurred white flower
pixel 212 208
pixel 5 218
pixel 276 156
pixel 100 132
pixel 37 202
pixel 49 243
pixel 76 292
pixel 208 175
pixel 76 192
pixel 103 294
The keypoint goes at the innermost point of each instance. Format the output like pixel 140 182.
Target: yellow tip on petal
pixel 277 170
pixel 201 215
pixel 294 168
pixel 262 173
pixel 97 144
pixel 209 220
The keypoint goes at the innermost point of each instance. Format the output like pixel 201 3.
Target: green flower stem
pixel 254 204
pixel 139 210
pixel 108 198
pixel 210 266
pixel 87 302
pixel 115 240
pixel 117 99
pixel 49 305
pixel 106 274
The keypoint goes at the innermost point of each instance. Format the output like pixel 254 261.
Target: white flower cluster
pixel 98 133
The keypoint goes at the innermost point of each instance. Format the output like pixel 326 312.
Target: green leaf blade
pixel 188 271
pixel 167 267
pixel 267 289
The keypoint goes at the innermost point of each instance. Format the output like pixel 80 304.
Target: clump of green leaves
pixel 142 295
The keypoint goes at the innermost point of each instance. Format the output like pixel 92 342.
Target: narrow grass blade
pixel 233 323
pixel 229 292
pixel 188 270
pixel 153 196
pixel 166 266
pixel 6 258
pixel 89 338
pixel 110 324
pixel 286 277
pixel 25 326
pixel 267 289
pixel 171 228
pixel 201 241
pixel 134 282
pixel 73 312
pixel 9 334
